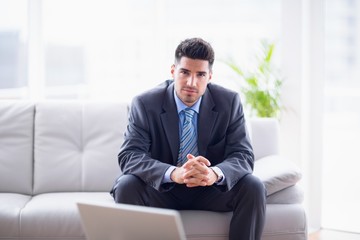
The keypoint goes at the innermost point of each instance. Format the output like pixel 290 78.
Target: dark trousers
pixel 247 201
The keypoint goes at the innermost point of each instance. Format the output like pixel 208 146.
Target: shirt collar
pixel 181 106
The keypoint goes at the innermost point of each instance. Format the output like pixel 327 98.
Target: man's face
pixel 191 77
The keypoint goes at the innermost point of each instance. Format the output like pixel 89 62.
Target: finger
pixel 192 182
pixel 203 160
pixel 201 177
pixel 193 172
pixel 200 167
pixel 197 184
pixel 190 162
pixel 194 176
pixel 199 159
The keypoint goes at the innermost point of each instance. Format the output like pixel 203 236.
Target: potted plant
pixel 261 86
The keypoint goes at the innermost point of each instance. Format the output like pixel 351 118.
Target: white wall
pixel 303 56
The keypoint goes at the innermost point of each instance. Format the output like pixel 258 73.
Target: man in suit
pixel 164 168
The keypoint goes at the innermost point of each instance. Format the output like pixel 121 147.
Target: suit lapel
pixel 170 122
pixel 206 122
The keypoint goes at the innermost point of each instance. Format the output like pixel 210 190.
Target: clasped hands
pixel 194 173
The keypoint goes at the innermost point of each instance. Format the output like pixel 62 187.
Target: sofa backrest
pixel 16 147
pixel 58 146
pixel 76 145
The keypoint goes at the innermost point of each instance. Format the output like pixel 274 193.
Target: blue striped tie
pixel 188 139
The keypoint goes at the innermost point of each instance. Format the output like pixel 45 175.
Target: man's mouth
pixel 190 90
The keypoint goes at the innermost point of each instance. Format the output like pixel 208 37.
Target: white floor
pixel 326 234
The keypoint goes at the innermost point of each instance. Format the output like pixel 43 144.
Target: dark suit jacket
pixel 152 137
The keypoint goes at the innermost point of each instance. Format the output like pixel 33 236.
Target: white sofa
pixel 54 154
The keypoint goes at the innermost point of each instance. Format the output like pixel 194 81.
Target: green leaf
pixel 261 87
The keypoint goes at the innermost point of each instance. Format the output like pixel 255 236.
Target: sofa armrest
pixel 290 195
pixel 276 173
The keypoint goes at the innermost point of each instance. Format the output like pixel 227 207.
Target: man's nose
pixel 191 81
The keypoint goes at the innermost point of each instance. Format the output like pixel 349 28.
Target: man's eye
pixel 202 74
pixel 184 72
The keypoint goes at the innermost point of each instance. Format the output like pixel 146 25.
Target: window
pixel 115 49
pixel 13 44
pixel 342 116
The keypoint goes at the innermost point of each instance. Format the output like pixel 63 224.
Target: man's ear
pixel 210 75
pixel 172 70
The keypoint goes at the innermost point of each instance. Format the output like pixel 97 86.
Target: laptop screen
pixel 111 221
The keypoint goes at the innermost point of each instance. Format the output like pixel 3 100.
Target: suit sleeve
pixel 238 155
pixel 134 156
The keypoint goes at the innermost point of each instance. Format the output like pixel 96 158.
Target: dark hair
pixel 195 48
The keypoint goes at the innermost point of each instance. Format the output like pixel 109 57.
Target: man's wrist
pixel 167 177
pixel 219 174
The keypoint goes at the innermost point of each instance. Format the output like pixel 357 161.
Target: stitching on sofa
pixel 208 236
pixel 33 152
pixel 296 231
pixel 20 216
pixel 82 147
pixel 56 237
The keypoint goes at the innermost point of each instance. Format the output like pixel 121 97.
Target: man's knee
pixel 127 188
pixel 253 186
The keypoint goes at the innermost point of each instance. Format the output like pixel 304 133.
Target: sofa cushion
pixel 11 205
pixel 76 145
pixel 276 173
pixel 55 215
pixel 283 222
pixel 16 146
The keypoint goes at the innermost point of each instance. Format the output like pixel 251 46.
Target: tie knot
pixel 189 113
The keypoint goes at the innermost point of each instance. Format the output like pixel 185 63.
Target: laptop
pixel 111 221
